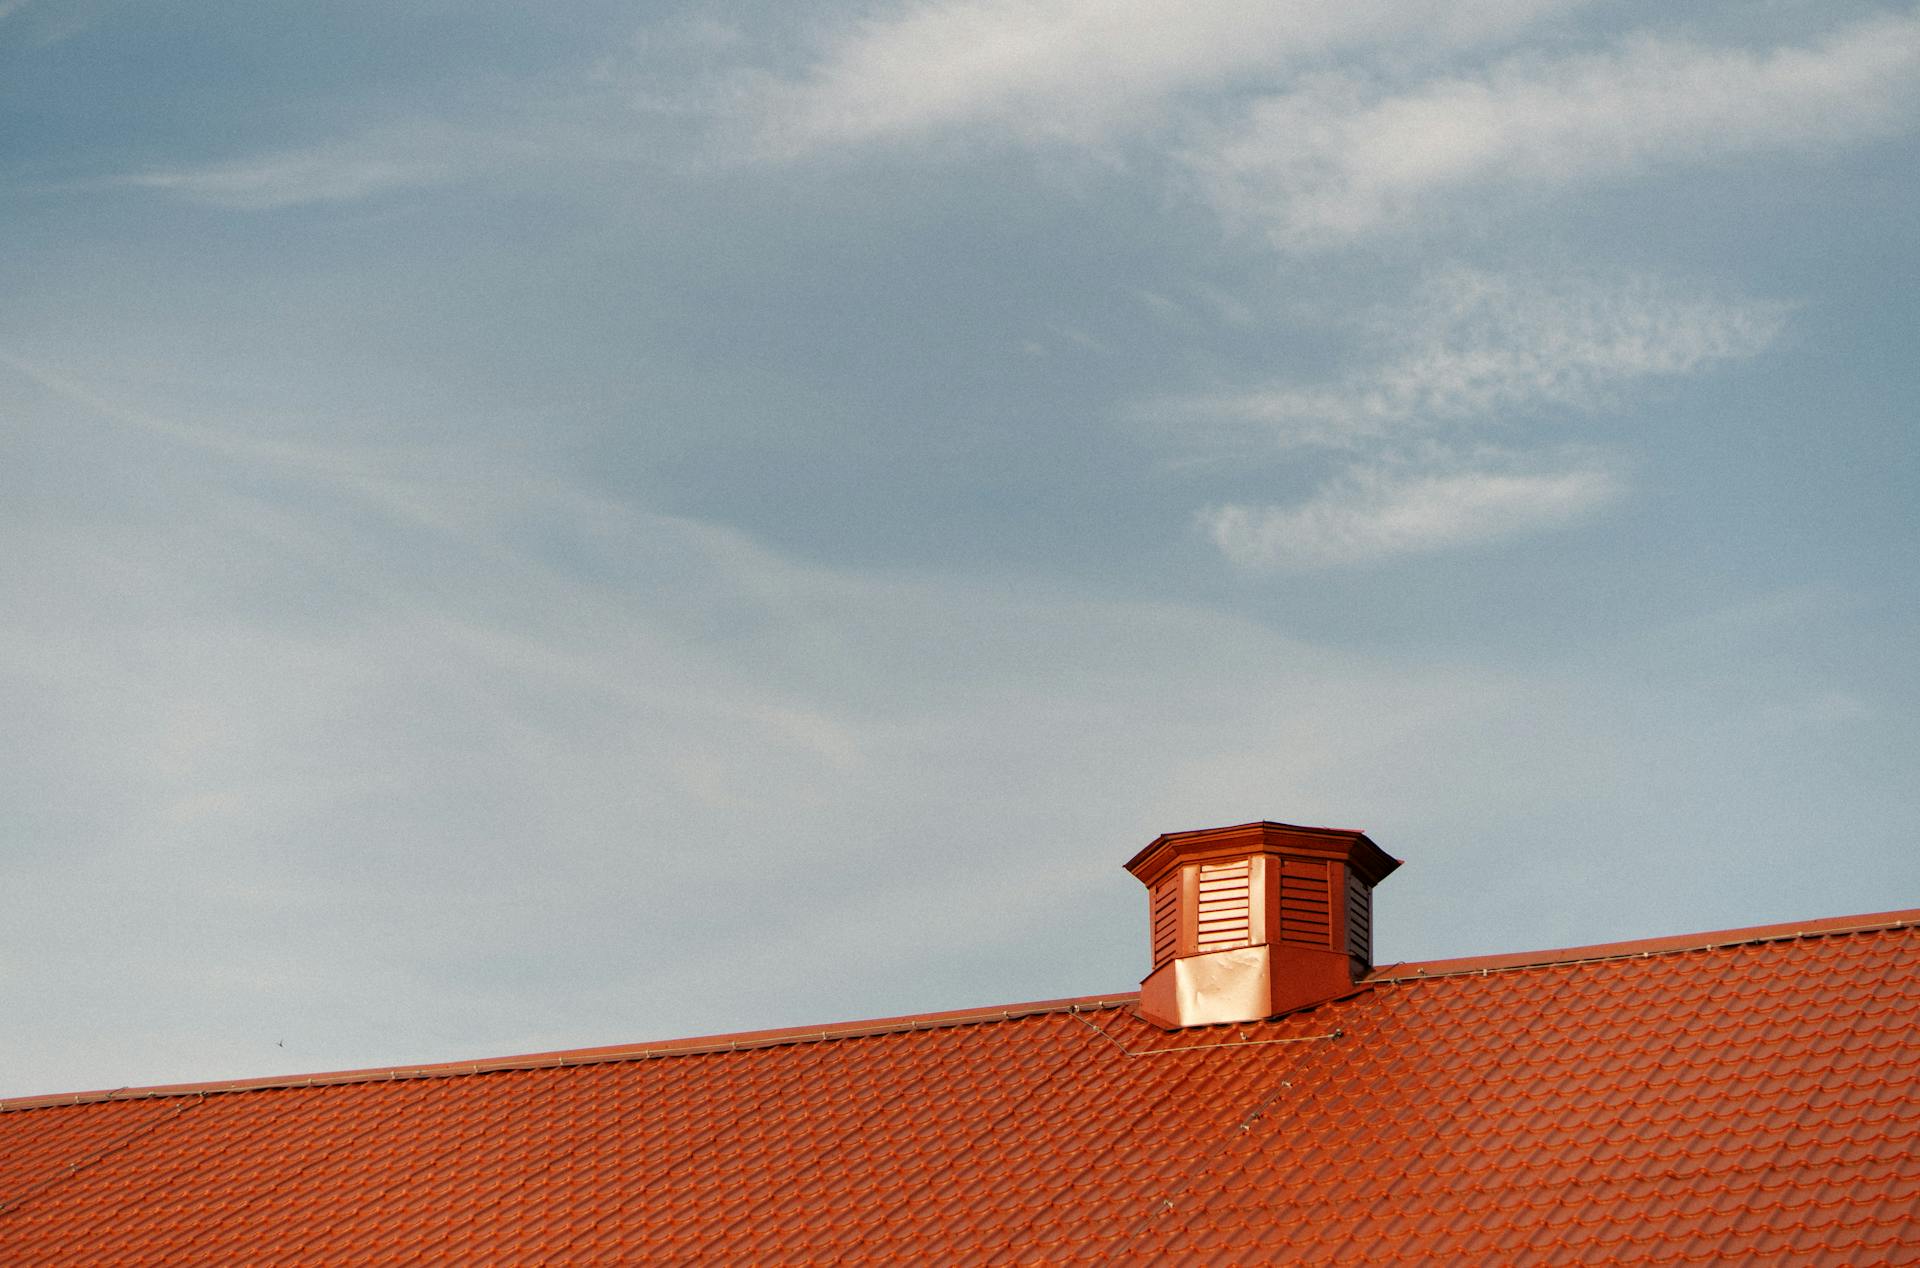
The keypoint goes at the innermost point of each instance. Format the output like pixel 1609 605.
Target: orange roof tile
pixel 1731 1097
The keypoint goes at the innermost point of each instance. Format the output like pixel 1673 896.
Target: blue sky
pixel 539 526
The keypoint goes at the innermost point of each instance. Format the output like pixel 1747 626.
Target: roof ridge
pixel 1640 948
pixel 741 1041
pixel 1418 971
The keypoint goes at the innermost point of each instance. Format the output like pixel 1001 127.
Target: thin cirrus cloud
pixel 1472 351
pixel 1376 512
pixel 1478 347
pixel 268 182
pixel 1345 156
pixel 40 25
pixel 1077 69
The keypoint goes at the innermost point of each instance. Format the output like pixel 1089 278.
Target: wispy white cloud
pixel 1344 155
pixel 1374 513
pixel 42 24
pixel 1471 352
pixel 268 182
pixel 390 479
pixel 1477 347
pixel 537 137
pixel 1077 69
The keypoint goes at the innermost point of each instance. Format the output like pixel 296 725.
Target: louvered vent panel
pixel 1224 917
pixel 1165 916
pixel 1306 907
pixel 1359 924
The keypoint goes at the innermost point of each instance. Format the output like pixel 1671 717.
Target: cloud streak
pixel 1079 70
pixel 1374 513
pixel 293 178
pixel 1479 348
pixel 1346 156
pixel 1472 352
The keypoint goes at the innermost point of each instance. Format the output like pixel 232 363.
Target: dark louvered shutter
pixel 1359 925
pixel 1166 918
pixel 1306 904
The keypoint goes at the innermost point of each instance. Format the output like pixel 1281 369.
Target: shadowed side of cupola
pixel 1255 920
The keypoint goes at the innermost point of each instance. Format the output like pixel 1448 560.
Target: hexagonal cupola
pixel 1256 920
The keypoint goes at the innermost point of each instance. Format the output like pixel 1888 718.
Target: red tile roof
pixel 1737 1097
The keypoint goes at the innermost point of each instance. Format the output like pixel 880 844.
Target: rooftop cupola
pixel 1256 920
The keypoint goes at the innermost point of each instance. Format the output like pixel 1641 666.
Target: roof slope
pixel 1728 1103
